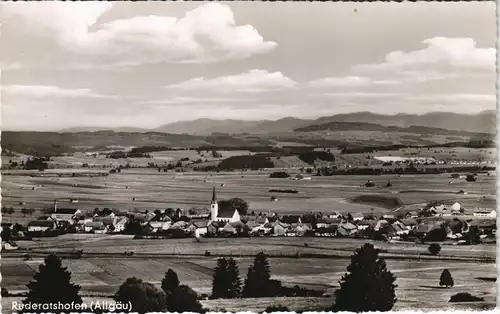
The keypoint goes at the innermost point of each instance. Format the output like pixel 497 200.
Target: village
pixel 436 222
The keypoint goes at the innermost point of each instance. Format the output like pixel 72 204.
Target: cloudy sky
pixel 145 64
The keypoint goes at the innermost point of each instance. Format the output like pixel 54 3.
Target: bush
pixel 434 248
pixel 465 297
pixel 143 296
pixel 279 174
pixel 5 292
pixel 276 308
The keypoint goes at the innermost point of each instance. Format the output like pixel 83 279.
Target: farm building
pixel 112 223
pixel 223 215
pixel 93 226
pixel 330 231
pixel 201 225
pixel 325 222
pixel 346 229
pixel 486 213
pixel 41 225
pixel 160 223
pixel 65 214
pixel 279 229
pixel 214 227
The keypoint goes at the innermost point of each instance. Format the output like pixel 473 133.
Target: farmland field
pixel 159 190
pixel 417 280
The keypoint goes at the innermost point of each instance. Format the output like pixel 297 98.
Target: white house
pixel 41 225
pixel 485 213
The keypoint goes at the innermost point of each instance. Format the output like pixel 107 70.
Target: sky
pixel 145 64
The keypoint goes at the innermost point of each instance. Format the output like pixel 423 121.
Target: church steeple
pixel 214 197
pixel 214 207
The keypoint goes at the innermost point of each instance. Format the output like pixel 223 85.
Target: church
pixel 224 215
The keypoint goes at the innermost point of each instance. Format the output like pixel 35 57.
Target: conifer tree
pixel 170 281
pixel 446 279
pixel 220 282
pixel 234 280
pixel 258 277
pixel 52 284
pixel 367 285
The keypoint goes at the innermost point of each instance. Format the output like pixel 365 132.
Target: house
pixel 160 223
pixel 366 224
pixel 357 216
pixel 486 213
pixel 346 229
pixel 41 225
pixel 290 219
pixel 424 228
pixel 301 230
pixel 330 231
pixel 455 207
pixel 112 223
pixel 325 222
pixel 226 215
pixel 201 226
pixel 94 226
pixel 411 214
pixel 214 227
pixel 279 229
pixel 335 215
pixel 228 228
pixel 381 224
pixel 65 214
pixel 410 223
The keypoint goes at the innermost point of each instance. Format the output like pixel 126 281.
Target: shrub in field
pixel 143 296
pixel 367 285
pixel 5 292
pixel 184 299
pixel 446 279
pixel 279 174
pixel 52 284
pixel 465 297
pixel 170 281
pixel 434 248
pixel 276 308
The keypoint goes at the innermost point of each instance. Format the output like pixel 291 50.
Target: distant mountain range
pixel 483 122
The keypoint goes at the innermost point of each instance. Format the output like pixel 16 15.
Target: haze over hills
pixel 483 122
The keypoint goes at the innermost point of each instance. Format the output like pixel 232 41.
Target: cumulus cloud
pixel 208 33
pixel 47 91
pixel 252 81
pixel 451 53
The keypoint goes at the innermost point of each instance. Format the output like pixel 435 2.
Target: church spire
pixel 214 197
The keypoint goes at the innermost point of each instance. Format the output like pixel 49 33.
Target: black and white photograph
pixel 248 156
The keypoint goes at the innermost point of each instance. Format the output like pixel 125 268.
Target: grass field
pixel 417 280
pixel 158 190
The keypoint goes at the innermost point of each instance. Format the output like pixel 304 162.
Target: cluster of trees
pixel 131 154
pixel 283 191
pixel 311 156
pixel 279 174
pixel 36 163
pixel 253 162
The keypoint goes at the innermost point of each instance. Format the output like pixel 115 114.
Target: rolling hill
pixel 483 122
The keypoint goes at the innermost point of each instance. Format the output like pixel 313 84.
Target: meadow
pixel 417 280
pixel 159 190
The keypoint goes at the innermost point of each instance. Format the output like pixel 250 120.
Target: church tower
pixel 214 207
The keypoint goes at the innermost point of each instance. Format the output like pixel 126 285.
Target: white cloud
pixel 341 81
pixel 206 34
pixel 193 100
pixel 47 91
pixel 252 81
pixel 358 95
pixel 448 53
